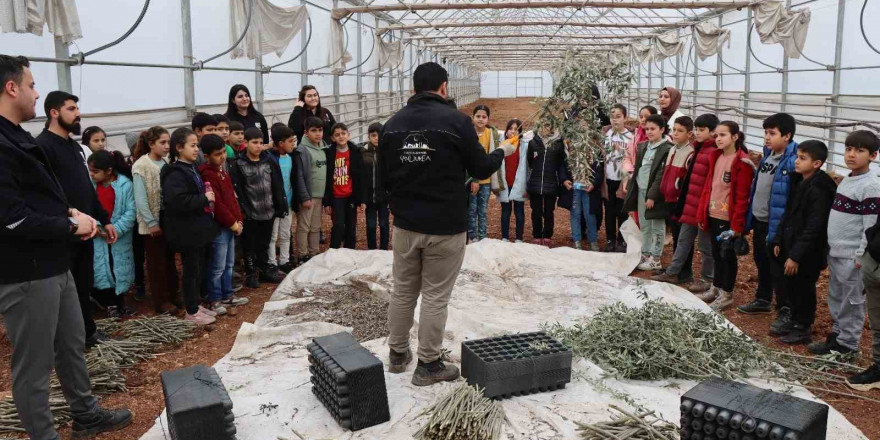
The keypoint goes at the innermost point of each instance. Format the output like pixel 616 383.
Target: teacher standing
pixel 240 108
pixel 38 296
pixel 425 149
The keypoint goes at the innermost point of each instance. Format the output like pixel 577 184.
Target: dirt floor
pixel 146 398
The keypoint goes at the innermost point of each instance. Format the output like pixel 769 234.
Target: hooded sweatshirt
pixel 318 160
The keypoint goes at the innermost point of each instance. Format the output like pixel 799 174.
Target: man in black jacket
pixel 67 160
pixel 425 149
pixel 37 294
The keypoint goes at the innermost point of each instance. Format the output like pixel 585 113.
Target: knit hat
pixel 131 139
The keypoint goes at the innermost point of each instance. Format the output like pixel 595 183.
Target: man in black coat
pixel 425 151
pixel 38 299
pixel 67 160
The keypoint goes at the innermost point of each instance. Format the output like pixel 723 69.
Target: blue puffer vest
pixel 779 190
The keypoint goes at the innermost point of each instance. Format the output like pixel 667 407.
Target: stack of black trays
pixel 721 409
pixel 349 381
pixel 197 405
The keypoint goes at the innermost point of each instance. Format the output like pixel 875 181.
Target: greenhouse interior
pixel 766 325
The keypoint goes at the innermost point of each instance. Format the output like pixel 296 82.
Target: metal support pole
pixel 784 94
pixel 719 70
pixel 696 79
pixel 336 77
pixel 650 80
pixel 63 69
pixel 835 84
pixel 304 59
pixel 258 75
pixel 189 89
pixel 748 75
pixel 678 63
pixel 360 59
pixel 376 78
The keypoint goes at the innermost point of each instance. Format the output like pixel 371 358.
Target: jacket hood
pixel 789 150
pixel 175 167
pixel 308 143
pixel 823 181
pixel 207 168
pixel 709 143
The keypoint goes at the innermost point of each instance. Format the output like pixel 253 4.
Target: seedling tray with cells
pixel 349 381
pixel 514 365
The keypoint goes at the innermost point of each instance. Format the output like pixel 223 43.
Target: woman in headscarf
pixel 669 100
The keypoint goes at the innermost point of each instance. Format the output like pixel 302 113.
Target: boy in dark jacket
pixel 344 193
pixel 227 215
pixel 260 190
pixel 802 238
pixel 377 201
pixel 548 170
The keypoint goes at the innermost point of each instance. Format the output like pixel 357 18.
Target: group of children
pixel 217 196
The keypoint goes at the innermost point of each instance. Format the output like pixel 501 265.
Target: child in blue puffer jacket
pixel 114 260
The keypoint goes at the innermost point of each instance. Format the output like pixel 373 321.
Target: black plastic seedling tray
pixel 197 405
pixel 349 381
pixel 513 365
pixel 721 408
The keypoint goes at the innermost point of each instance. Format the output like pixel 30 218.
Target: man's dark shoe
pixel 833 346
pixel 756 307
pixel 95 339
pixel 798 335
pixel 781 326
pixel 610 246
pixel 823 347
pixel 101 421
pixel 434 372
pixel 271 275
pixel 866 380
pixel 398 361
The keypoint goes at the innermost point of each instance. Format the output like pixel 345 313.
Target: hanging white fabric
pixel 775 24
pixel 642 52
pixel 273 25
pixel 709 38
pixel 390 54
pixel 667 45
pixel 337 57
pixel 30 16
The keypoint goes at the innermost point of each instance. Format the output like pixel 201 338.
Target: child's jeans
pixel 479 204
pixel 845 301
pixel 220 267
pixel 281 239
pixel 519 209
pixel 726 264
pixel 871 280
pixel 580 207
pixel 653 230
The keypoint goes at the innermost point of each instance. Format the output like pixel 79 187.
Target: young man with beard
pixel 67 161
pixel 37 295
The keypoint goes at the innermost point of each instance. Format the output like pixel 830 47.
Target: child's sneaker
pixel 594 246
pixel 577 245
pixel 287 267
pixel 649 264
pixel 208 312
pixel 216 307
pixel 866 380
pixel 518 241
pixel 200 318
pixel 235 301
pixel 114 312
pixel 546 242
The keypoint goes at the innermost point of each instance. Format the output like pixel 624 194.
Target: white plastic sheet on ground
pixel 503 288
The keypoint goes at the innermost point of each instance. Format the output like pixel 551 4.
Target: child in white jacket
pixel 514 174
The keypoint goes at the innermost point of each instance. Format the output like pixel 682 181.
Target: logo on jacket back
pixel 415 149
